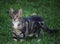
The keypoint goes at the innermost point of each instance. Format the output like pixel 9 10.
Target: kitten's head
pixel 15 15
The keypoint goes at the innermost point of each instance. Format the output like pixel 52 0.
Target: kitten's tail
pixel 49 30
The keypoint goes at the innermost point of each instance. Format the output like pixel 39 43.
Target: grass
pixel 49 10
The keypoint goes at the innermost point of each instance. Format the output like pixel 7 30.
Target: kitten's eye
pixel 12 16
pixel 17 16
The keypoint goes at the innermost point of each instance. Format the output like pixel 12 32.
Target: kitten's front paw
pixel 21 40
pixel 15 39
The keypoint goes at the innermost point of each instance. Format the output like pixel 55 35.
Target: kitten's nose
pixel 14 19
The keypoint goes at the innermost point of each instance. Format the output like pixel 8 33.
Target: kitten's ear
pixel 20 12
pixel 11 11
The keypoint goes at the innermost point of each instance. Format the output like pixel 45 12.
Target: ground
pixel 48 9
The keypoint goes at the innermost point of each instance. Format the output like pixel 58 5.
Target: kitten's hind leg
pixel 38 34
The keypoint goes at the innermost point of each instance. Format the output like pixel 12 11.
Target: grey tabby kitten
pixel 30 26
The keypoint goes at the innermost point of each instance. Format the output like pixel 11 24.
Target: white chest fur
pixel 15 24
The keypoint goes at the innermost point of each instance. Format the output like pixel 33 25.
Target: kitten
pixel 17 24
pixel 30 26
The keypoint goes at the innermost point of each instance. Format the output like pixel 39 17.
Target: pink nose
pixel 14 19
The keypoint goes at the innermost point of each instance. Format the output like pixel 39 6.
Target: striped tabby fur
pixel 30 26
